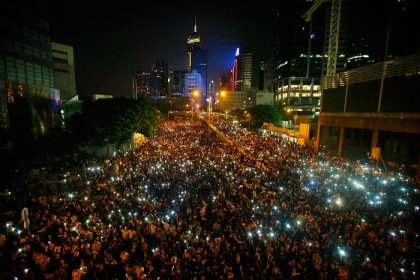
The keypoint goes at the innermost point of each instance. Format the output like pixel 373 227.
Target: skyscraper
pixel 29 102
pixel 64 74
pixel 193 82
pixel 178 82
pixel 193 43
pixel 242 71
pixel 153 83
pixel 301 44
pixel 261 75
pixel 146 84
pixel 161 70
pixel 300 58
pixel 269 74
pixel 197 56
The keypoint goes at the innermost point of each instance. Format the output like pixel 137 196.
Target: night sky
pixel 113 41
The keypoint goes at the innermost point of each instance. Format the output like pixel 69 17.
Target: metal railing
pixel 404 66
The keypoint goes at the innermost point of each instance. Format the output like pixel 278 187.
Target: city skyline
pixel 141 35
pixel 301 161
pixel 139 38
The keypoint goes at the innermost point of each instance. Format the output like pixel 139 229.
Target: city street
pixel 187 205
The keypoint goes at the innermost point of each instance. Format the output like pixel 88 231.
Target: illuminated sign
pixel 192 40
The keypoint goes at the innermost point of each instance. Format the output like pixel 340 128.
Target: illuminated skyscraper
pixel 193 44
pixel 299 58
pixel 197 56
pixel 178 82
pixel 193 82
pixel 242 71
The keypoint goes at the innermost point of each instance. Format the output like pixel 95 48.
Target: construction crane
pixel 333 34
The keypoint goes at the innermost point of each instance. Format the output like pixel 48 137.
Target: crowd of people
pixel 185 205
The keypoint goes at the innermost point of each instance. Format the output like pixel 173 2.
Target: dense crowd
pixel 185 205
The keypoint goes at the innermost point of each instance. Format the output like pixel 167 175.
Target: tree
pixel 112 121
pixel 265 114
pixel 239 114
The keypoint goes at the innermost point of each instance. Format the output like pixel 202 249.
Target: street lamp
pixel 190 111
pixel 195 94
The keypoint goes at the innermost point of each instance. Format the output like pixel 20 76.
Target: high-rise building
pixel 199 64
pixel 210 91
pixel 29 101
pixel 269 74
pixel 242 71
pixel 64 74
pixel 153 83
pixel 261 75
pixel 193 43
pixel 300 57
pixel 225 82
pixel 146 84
pixel 301 45
pixel 197 56
pixel 299 94
pixel 193 82
pixel 231 100
pixel 178 82
pixel 161 70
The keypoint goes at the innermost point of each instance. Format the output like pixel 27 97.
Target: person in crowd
pixel 185 205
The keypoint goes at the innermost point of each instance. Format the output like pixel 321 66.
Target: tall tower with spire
pixel 197 57
pixel 193 43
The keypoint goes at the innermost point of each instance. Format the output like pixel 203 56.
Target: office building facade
pixel 231 100
pixel 178 82
pixel 372 110
pixel 242 71
pixel 64 70
pixel 29 102
pixel 299 94
pixel 301 57
pixel 161 72
pixel 146 84
pixel 154 83
pixel 194 82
